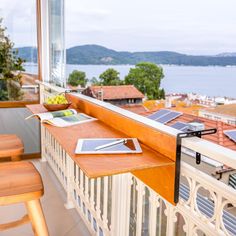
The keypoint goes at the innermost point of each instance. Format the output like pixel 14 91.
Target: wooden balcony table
pixel 154 168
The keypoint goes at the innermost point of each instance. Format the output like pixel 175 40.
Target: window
pixel 18 51
pixel 217 118
pixel 231 122
pixel 56 42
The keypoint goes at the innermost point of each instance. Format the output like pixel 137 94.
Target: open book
pixel 62 118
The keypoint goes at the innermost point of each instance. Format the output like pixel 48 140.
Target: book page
pixel 50 115
pixel 65 121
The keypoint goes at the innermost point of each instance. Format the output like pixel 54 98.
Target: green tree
pixel 77 78
pixel 162 94
pixel 146 77
pixel 95 81
pixel 110 77
pixel 10 67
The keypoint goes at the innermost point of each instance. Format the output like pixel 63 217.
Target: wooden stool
pixel 20 182
pixel 11 146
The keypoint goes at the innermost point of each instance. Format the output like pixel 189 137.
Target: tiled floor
pixel 61 222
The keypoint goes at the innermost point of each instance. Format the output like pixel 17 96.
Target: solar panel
pixel 231 134
pixel 168 117
pixel 158 114
pixel 180 126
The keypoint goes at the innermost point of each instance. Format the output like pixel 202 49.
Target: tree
pixel 146 77
pixel 10 65
pixel 162 94
pixel 110 77
pixel 77 78
pixel 95 81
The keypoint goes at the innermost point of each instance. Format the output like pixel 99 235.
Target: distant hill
pixel 227 54
pixel 28 53
pixel 98 55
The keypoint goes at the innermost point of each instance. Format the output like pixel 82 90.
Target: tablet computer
pixel 108 146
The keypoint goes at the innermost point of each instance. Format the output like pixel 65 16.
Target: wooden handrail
pixel 156 139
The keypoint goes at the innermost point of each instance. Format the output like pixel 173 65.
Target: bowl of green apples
pixel 56 103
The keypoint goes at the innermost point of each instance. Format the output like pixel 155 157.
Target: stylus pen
pixel 110 144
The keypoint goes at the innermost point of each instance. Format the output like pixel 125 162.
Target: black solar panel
pixel 158 114
pixel 180 126
pixel 168 117
pixel 231 134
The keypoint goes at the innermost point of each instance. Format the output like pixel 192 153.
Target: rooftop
pixel 116 92
pixel 229 109
pixel 218 138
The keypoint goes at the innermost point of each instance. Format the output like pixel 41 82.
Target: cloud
pixel 135 25
pixel 20 20
pixel 94 13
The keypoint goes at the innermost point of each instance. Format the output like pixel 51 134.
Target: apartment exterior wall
pixel 218 117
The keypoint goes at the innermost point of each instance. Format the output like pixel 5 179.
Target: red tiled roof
pixel 117 92
pixel 218 138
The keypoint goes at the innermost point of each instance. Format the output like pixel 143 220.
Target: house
pixel 117 95
pixel 224 113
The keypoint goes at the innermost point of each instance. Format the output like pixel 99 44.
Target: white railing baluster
pixel 153 204
pixel 98 205
pixel 171 219
pixel 105 201
pixel 120 217
pixel 86 188
pixel 141 191
pixel 81 182
pixel 160 219
pixel 92 194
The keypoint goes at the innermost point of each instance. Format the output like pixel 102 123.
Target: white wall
pixel 12 121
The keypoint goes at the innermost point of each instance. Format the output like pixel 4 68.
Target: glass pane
pixel 18 51
pixel 56 42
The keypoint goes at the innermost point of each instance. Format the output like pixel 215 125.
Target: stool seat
pixel 10 145
pixel 20 182
pixel 19 178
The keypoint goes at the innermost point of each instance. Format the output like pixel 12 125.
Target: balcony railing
pixel 124 205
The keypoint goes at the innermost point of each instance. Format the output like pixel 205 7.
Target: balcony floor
pixel 61 222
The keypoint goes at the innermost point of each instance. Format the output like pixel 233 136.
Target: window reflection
pixel 18 51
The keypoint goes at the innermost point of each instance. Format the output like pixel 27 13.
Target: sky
pixel 20 19
pixel 188 26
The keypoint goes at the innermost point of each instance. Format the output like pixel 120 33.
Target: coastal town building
pixel 223 113
pixel 203 100
pixel 117 95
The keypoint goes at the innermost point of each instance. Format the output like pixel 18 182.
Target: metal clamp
pixel 180 136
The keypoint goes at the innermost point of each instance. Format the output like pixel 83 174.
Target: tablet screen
pixel 109 145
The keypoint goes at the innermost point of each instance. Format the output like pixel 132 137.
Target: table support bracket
pixel 180 136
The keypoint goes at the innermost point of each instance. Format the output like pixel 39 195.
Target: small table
pixel 148 166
